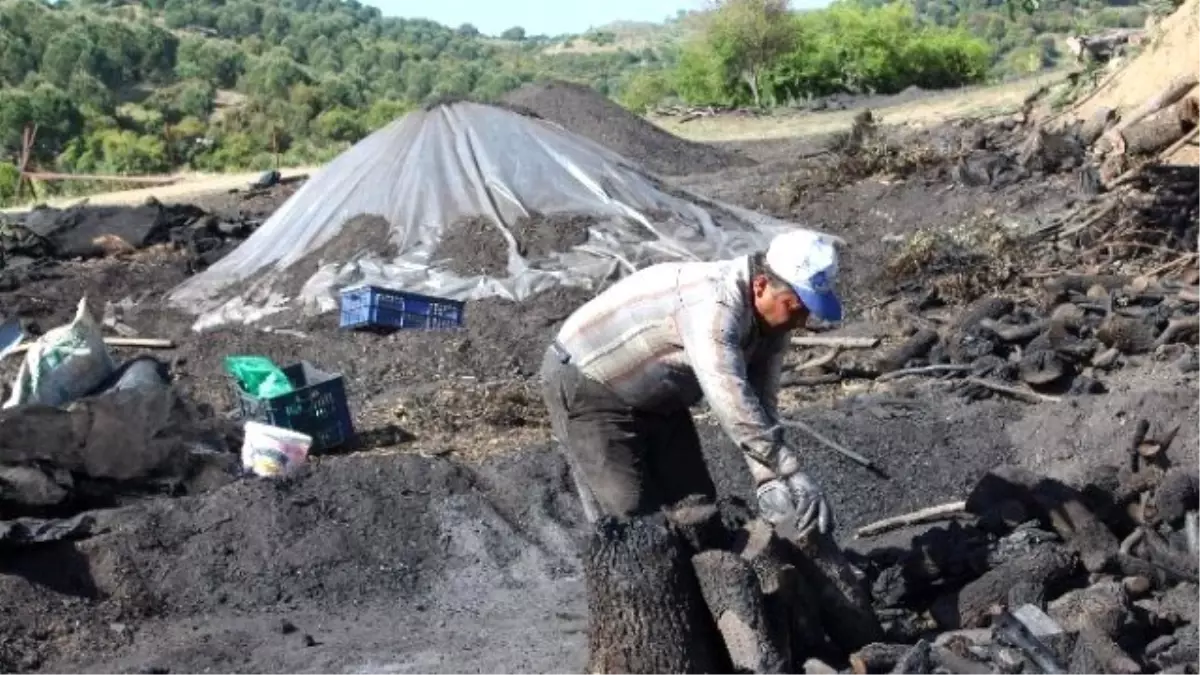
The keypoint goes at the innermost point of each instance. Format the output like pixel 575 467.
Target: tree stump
pixel 646 611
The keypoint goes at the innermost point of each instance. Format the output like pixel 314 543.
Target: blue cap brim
pixel 825 306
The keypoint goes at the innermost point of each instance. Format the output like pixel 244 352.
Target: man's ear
pixel 759 285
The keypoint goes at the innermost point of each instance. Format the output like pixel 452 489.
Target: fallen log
pixel 735 599
pixel 646 610
pixel 1062 506
pixel 1159 130
pixel 1169 94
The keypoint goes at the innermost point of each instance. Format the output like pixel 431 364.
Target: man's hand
pixel 797 499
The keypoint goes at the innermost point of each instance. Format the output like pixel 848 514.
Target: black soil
pixel 473 246
pixel 582 110
pixel 393 542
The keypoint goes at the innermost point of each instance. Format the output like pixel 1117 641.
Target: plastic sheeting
pixel 431 168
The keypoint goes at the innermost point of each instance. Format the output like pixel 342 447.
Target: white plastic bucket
pixel 272 452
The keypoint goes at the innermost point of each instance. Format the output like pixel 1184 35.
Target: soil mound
pixel 584 111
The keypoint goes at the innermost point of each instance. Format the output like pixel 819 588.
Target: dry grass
pixel 929 110
pixel 859 153
pixel 961 264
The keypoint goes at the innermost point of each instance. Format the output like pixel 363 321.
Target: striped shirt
pixel 671 334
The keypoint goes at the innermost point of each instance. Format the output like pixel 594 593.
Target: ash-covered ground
pixel 449 540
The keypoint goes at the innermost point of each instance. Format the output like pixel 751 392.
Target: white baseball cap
pixel 808 262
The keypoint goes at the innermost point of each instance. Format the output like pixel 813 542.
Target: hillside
pixel 142 88
pixel 122 87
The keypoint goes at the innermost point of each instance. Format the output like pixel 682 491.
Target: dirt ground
pixel 448 540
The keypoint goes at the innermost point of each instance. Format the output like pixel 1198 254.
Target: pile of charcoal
pixel 1083 327
pixel 1047 578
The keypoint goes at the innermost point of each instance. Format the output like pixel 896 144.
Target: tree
pixel 516 34
pixel 748 36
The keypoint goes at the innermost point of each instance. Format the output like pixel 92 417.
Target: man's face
pixel 777 306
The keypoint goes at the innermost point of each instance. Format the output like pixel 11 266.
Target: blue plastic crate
pixel 316 406
pixel 384 309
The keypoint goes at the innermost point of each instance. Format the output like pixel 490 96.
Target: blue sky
pixel 549 17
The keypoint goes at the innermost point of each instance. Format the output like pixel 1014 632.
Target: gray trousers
pixel 625 462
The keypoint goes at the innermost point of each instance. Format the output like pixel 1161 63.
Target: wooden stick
pixel 147 343
pixel 924 370
pixel 1014 392
pixel 1167 267
pixel 833 445
pixel 820 360
pixel 833 341
pixel 926 515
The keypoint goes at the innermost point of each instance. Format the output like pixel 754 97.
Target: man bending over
pixel 620 377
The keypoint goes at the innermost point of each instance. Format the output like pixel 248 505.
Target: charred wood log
pixel 646 609
pixel 877 657
pixel 787 595
pixel 1178 493
pixel 918 659
pixel 1179 563
pixel 974 604
pixel 1096 652
pixel 735 599
pixel 844 600
pixel 915 347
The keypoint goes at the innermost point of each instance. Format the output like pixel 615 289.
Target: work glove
pixel 795 499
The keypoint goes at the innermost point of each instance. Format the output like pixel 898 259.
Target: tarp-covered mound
pixel 466 201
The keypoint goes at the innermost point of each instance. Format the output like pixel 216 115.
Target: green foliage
pixel 218 85
pixel 753 52
pixel 644 89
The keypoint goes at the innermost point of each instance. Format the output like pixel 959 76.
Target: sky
pixel 544 17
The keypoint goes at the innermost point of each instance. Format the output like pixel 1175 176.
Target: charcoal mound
pixel 584 111
pixel 542 235
pixel 473 246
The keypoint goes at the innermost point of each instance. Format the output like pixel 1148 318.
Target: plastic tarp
pixel 431 168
